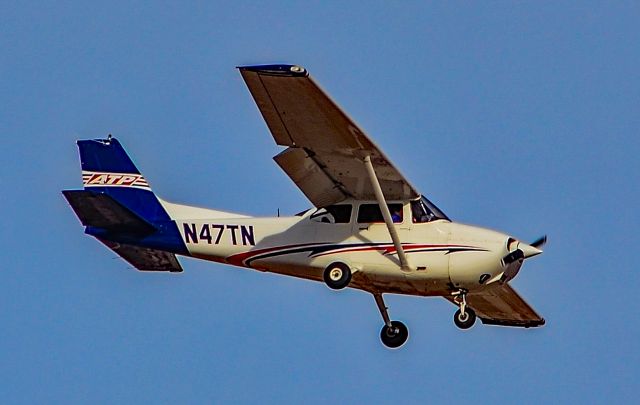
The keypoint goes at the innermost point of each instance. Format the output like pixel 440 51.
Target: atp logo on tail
pixel 103 179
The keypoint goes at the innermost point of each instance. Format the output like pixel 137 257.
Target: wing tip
pixel 276 70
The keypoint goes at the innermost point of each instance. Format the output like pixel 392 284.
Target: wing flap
pixel 502 305
pixel 310 177
pixel 145 259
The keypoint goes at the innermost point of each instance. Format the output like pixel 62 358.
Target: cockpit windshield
pixel 424 210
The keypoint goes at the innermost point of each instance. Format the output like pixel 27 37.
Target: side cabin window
pixel 333 214
pixel 423 210
pixel 369 213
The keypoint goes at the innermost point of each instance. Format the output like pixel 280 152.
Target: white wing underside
pixel 325 148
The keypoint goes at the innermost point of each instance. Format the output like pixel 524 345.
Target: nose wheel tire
pixel 337 276
pixel 466 320
pixel 394 336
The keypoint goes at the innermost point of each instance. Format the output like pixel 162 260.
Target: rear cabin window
pixel 369 213
pixel 333 214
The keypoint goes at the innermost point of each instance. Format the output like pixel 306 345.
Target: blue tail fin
pixel 105 155
pixel 118 207
pixel 106 168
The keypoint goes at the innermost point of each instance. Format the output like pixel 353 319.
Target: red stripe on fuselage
pixel 239 258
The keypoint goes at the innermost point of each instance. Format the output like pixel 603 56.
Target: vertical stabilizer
pixel 106 168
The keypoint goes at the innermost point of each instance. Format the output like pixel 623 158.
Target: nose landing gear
pixel 465 317
pixel 464 320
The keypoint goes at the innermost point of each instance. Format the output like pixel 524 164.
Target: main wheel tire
pixel 395 336
pixel 337 276
pixel 466 321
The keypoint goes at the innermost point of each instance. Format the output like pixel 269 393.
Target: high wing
pixel 501 305
pixel 325 148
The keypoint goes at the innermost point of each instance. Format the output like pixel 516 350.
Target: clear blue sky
pixel 519 116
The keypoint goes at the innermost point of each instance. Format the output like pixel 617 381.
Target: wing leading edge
pixel 325 148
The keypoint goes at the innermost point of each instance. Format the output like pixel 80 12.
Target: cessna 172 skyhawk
pixel 369 229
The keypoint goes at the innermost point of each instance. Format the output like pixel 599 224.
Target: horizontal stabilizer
pixel 145 259
pixel 100 210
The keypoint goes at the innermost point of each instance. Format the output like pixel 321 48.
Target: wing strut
pixel 404 263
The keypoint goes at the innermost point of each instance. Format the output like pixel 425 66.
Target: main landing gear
pixel 394 333
pixel 337 276
pixel 465 317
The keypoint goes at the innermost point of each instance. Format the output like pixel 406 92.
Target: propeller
pixel 513 260
pixel 538 243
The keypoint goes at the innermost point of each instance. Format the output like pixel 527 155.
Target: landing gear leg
pixel 394 333
pixel 465 317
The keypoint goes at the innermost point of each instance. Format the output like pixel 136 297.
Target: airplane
pixel 369 228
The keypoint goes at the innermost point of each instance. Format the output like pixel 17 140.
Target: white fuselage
pixel 444 256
